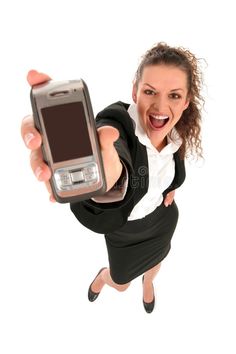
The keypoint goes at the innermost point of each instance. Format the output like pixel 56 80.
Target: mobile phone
pixel 63 115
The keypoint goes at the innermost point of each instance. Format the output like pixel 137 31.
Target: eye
pixel 175 96
pixel 149 92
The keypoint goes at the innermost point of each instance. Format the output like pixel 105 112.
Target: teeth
pixel 159 117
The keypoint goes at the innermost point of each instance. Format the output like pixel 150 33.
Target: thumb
pixel 35 78
pixel 107 136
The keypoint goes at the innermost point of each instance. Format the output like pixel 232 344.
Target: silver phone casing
pixel 56 93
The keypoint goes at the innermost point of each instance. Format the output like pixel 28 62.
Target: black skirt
pixel 141 244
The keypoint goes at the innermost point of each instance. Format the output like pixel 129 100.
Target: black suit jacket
pixel 108 217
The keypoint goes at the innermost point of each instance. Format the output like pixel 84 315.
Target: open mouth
pixel 157 121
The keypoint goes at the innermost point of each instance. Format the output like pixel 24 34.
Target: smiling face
pixel 161 96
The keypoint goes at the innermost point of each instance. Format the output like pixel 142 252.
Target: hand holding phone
pixel 107 135
pixel 63 114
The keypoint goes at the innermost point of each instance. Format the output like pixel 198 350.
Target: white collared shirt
pixel 161 171
pixel 161 167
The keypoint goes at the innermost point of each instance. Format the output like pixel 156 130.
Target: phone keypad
pixel 85 176
pixel 65 179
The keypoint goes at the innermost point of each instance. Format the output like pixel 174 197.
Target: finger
pixel 29 133
pixel 169 198
pixel 166 202
pixel 51 197
pixel 35 78
pixel 107 136
pixel 40 169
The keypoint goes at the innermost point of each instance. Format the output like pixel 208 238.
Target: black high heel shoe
pixel 149 306
pixel 92 296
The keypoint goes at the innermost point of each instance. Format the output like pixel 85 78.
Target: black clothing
pixel 138 245
pixel 141 244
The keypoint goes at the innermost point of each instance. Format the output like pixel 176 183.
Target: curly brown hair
pixel 189 126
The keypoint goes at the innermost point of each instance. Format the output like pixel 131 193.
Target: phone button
pixel 90 173
pixel 77 176
pixel 90 176
pixel 65 179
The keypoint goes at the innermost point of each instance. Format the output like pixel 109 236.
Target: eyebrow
pixel 177 89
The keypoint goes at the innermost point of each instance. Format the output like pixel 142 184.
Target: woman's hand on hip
pixel 169 198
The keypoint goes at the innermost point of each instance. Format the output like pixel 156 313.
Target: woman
pixel 143 147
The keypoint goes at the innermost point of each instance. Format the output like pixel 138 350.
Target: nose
pixel 160 104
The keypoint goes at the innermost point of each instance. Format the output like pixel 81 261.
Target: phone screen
pixel 67 131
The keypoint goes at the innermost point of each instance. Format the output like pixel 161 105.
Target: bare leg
pixel 147 283
pixel 105 278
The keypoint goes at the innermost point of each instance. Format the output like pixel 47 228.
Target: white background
pixel 47 259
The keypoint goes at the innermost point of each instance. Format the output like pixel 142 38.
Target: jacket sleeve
pixel 103 217
pixel 118 191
